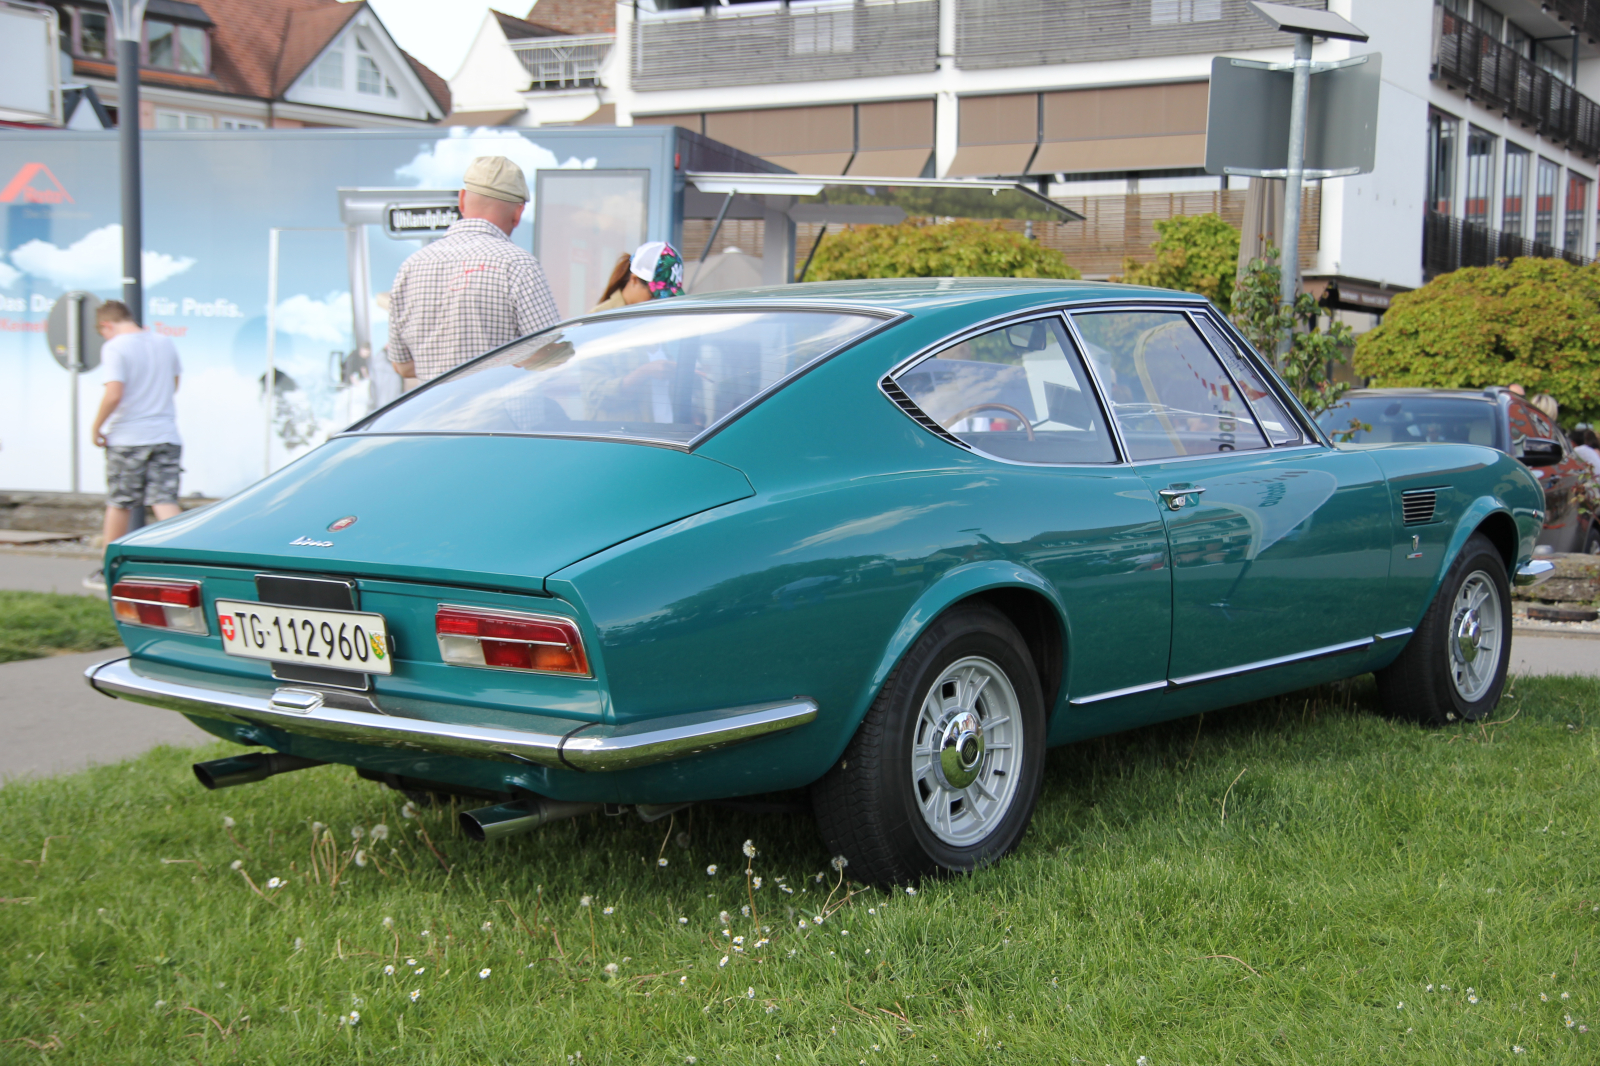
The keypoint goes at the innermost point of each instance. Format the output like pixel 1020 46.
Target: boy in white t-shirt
pixel 141 440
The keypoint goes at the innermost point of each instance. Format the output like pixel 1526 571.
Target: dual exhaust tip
pixel 484 824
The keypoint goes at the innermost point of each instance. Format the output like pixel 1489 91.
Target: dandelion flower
pixel 724 917
pixel 276 882
pixel 586 901
pixel 236 864
pixel 416 994
pixel 723 963
pixel 609 910
pixel 227 823
pixel 355 1017
pixel 486 926
pixel 711 871
pixel 160 1003
pixel 839 862
pixel 356 832
pixel 380 832
pixel 749 849
pixel 661 861
pixel 317 828
pixel 409 810
pixel 611 968
pixel 388 971
pixel 683 921
pixel 361 857
pixel 388 923
pixel 483 974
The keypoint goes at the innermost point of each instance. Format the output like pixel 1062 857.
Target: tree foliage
pixel 1194 253
pixel 1266 321
pixel 964 249
pixel 1533 322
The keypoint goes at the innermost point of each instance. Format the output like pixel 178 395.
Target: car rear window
pixel 1399 419
pixel 664 376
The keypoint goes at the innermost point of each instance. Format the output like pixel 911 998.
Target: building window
pixel 1544 202
pixel 1514 193
pixel 329 73
pixel 369 79
pixel 182 120
pixel 92 34
pixel 169 46
pixel 1168 12
pixel 1443 130
pixel 1557 63
pixel 1480 176
pixel 1577 219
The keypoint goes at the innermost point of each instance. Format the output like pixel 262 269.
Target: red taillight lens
pixel 510 641
pixel 159 603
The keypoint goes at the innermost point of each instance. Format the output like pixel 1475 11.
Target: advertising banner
pixel 212 203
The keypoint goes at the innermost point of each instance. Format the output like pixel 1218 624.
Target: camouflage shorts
pixel 147 472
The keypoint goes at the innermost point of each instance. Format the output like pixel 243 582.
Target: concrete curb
pixel 1536 629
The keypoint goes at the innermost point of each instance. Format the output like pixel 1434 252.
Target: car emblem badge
pixel 344 523
pixel 377 644
pixel 307 542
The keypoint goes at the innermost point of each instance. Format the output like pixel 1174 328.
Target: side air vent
pixel 917 414
pixel 1416 506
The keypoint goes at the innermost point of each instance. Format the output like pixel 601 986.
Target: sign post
pixel 75 344
pixel 127 17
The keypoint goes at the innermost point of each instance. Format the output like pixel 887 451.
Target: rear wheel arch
pixel 1036 619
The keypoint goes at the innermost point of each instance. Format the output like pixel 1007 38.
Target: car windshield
pixel 1394 419
pixel 664 376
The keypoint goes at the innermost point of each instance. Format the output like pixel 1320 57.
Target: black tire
pixel 894 828
pixel 1431 683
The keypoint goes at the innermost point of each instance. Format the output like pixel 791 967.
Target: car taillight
pixel 510 640
pixel 159 603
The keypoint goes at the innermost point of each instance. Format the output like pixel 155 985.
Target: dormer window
pixel 369 79
pixel 330 70
pixel 174 46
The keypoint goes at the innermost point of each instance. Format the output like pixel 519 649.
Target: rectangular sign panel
pixel 1247 122
pixel 410 221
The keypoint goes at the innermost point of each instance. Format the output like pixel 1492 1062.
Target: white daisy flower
pixel 416 994
pixel 276 882
pixel 483 974
pixel 388 971
pixel 486 926
pixel 661 861
pixel 749 993
pixel 683 921
pixel 355 1017
pixel 609 910
pixel 723 963
pixel 684 979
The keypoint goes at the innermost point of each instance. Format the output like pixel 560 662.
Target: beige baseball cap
pixel 496 177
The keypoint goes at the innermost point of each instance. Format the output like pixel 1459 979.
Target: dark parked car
pixel 1497 417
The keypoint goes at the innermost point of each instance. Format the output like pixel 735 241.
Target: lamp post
pixel 127 18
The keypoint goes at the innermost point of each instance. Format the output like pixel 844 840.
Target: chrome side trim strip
pixel 1131 690
pixel 601 748
pixel 1395 634
pixel 1267 664
pixel 1536 572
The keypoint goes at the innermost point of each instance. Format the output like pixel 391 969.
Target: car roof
pixel 926 294
pixel 1488 395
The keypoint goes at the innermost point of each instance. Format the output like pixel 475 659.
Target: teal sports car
pixel 886 541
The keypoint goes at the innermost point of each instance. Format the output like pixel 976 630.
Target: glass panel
pixel 1544 204
pixel 158 37
pixel 1480 175
pixel 1168 393
pixel 330 71
pixel 1577 211
pixel 196 122
pixel 1409 419
pixel 666 377
pixel 368 78
pixel 169 120
pixel 1018 392
pixel 1442 130
pixel 585 220
pixel 1279 426
pixel 91 34
pixel 1513 204
pixel 1488 20
pixel 192 49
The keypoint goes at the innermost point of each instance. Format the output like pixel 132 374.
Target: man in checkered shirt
pixel 472 290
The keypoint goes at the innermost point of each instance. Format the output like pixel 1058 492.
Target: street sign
pixel 1247 124
pixel 63 335
pixel 409 221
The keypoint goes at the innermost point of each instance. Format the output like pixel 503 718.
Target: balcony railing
pixel 1584 14
pixel 1497 77
pixel 564 62
pixel 799 42
pixel 1452 243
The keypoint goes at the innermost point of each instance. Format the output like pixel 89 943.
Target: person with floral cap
pixel 638 386
pixel 654 272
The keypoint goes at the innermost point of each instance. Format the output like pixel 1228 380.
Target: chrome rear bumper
pixel 359 719
pixel 1535 573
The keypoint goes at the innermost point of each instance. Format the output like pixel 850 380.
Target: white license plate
pixel 337 640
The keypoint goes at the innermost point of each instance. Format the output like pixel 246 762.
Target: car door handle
pixel 1175 497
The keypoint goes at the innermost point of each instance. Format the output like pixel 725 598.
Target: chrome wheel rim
pixel 966 751
pixel 1475 635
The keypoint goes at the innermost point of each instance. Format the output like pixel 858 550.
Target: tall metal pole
pixel 270 379
pixel 74 364
pixel 127 17
pixel 1296 168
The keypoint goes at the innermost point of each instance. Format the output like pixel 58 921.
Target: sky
pixel 439 32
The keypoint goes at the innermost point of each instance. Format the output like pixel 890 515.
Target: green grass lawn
pixel 33 624
pixel 1294 881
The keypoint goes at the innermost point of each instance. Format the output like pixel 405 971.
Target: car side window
pixel 1019 392
pixel 1276 422
pixel 1168 393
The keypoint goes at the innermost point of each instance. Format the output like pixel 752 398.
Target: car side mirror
pixel 1538 451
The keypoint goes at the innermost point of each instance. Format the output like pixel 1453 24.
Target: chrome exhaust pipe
pixel 243 769
pixel 519 816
